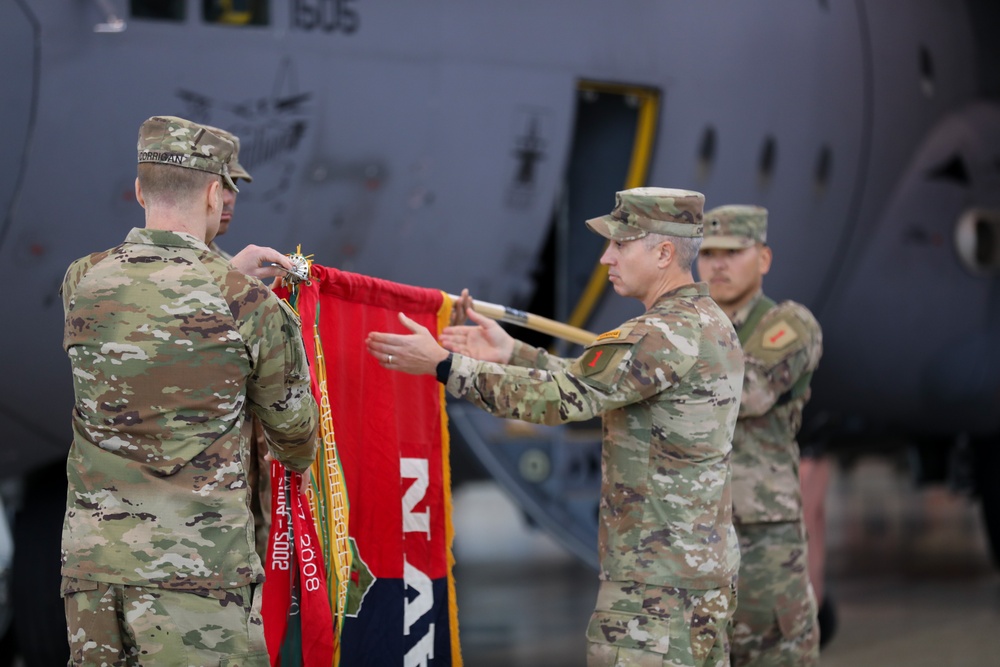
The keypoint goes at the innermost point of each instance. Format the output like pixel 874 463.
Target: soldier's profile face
pixel 632 268
pixel 733 274
pixel 228 205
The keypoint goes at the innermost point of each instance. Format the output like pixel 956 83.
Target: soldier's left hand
pixel 416 353
pixel 256 260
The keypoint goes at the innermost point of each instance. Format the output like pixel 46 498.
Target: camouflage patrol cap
pixel 236 170
pixel 182 143
pixel 640 211
pixel 735 226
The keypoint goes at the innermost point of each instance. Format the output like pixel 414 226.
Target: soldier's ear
pixel 764 260
pixel 667 252
pixel 214 194
pixel 138 194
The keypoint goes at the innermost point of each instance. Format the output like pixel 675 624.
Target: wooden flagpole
pixel 530 321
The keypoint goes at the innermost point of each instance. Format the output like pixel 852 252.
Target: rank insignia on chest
pixel 779 336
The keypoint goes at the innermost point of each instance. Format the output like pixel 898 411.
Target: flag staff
pixel 530 321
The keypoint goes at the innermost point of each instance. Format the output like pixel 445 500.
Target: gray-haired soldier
pixel 168 344
pixel 667 386
pixel 775 621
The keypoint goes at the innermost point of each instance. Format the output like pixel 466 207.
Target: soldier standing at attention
pixel 168 343
pixel 667 386
pixel 251 259
pixel 775 621
pixel 236 172
pixel 258 469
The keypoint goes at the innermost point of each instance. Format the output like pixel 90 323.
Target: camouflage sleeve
pixel 786 346
pixel 609 375
pixel 72 278
pixel 75 273
pixel 278 388
pixel 529 356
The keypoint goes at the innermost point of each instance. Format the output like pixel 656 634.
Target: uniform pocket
pixel 257 659
pixel 633 631
pixel 708 619
pixel 72 585
pixel 296 361
pixel 795 619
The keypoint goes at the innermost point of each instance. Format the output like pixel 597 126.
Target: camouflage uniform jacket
pixel 781 353
pixel 214 247
pixel 667 386
pixel 168 344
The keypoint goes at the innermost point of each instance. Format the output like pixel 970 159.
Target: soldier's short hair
pixel 686 247
pixel 163 185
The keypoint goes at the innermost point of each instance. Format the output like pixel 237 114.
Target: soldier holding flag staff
pixel 666 385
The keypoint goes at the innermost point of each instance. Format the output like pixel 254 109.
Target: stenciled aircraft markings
pixel 327 15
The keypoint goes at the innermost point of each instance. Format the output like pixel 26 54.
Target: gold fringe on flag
pixel 328 501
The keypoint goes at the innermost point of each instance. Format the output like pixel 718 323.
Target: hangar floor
pixel 908 569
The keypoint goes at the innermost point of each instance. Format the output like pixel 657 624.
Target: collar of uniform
pixel 691 289
pixel 163 237
pixel 741 315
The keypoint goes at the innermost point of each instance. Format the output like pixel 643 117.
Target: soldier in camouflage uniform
pixel 775 621
pixel 236 172
pixel 258 469
pixel 666 385
pixel 168 344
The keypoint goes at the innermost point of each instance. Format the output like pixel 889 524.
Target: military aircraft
pixel 455 144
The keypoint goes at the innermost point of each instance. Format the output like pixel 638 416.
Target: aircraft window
pixel 235 12
pixel 706 152
pixel 926 72
pixel 977 240
pixel 167 10
pixel 824 165
pixel 768 158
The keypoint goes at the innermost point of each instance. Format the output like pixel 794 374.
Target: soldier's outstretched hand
pixel 485 340
pixel 416 353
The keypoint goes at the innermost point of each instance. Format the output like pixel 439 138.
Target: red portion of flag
pixel 391 439
pixel 316 617
pixel 387 423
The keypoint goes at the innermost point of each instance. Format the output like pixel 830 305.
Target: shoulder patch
pixel 778 336
pixel 615 333
pixel 595 360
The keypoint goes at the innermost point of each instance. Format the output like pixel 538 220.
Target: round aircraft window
pixel 977 240
pixel 824 165
pixel 706 152
pixel 767 161
pixel 926 72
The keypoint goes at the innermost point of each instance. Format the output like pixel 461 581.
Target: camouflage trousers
pixel 775 621
pixel 637 625
pixel 114 625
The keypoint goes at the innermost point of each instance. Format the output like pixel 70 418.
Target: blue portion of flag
pixel 376 638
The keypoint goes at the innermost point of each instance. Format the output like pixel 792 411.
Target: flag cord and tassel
pixel 319 521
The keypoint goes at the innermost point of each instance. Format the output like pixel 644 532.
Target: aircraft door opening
pixel 612 145
pixel 554 473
